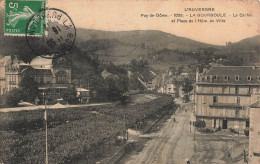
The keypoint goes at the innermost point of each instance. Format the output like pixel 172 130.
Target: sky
pixel 116 15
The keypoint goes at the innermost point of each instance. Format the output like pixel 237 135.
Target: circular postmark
pixel 58 33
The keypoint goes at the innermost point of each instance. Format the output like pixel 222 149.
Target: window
pixel 249 90
pixel 215 100
pixel 226 78
pixel 41 79
pixel 204 99
pixel 258 78
pixel 249 78
pixel 237 78
pixel 214 77
pixel 37 77
pixel 47 77
pixel 247 124
pixel 236 112
pixel 238 100
pixel 61 77
pixel 236 90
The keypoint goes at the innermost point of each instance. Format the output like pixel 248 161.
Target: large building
pixel 223 95
pixel 9 73
pixel 254 133
pixel 53 76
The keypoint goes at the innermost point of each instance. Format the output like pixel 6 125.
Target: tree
pixel 187 86
pixel 116 87
pixel 13 97
pixel 29 87
pixel 70 95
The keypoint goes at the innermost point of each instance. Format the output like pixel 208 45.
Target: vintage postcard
pixel 134 81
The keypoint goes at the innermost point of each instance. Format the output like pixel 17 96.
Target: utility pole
pixel 46 130
pixel 190 126
pixel 125 130
pixel 194 132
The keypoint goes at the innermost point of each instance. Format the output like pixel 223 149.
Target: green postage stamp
pixel 19 12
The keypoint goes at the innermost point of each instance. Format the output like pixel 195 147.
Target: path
pixel 48 106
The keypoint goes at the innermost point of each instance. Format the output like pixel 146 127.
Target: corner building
pixel 223 95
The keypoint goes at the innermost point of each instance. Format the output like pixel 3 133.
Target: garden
pixel 71 132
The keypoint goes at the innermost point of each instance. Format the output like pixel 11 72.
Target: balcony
pixel 224 94
pixel 12 82
pixel 226 105
pixel 222 117
pixel 52 85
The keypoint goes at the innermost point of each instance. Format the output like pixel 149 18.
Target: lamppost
pixel 46 126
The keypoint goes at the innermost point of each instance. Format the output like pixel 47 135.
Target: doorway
pixel 224 124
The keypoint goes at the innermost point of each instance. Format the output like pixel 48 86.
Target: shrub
pixel 206 130
pixel 70 95
pixel 200 124
pixel 13 97
pixel 218 129
pixel 233 131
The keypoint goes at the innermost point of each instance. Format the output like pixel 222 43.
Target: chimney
pixel 197 74
pixel 12 59
pixel 210 78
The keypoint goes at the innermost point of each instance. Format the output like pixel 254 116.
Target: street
pixel 175 142
pixel 172 144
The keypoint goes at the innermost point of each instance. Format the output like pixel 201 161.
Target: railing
pixel 51 85
pixel 227 94
pixel 221 117
pixel 227 105
pixel 12 82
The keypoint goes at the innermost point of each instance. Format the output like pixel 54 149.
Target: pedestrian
pixel 187 160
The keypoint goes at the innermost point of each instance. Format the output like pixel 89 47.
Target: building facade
pixel 10 68
pixel 254 133
pixel 223 95
pixel 83 95
pixel 52 76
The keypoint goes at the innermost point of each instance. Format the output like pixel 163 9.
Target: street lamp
pixel 46 126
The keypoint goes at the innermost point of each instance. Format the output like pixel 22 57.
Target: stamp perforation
pixel 13 32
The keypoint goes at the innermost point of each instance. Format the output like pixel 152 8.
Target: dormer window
pixel 237 78
pixel 226 78
pixel 214 77
pixel 249 78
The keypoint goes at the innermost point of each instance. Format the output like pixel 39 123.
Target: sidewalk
pixel 48 106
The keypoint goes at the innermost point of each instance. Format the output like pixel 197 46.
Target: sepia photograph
pixel 130 82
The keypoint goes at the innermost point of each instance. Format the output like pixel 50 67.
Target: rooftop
pixel 82 90
pixel 255 105
pixel 232 74
pixel 41 61
pixel 5 59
